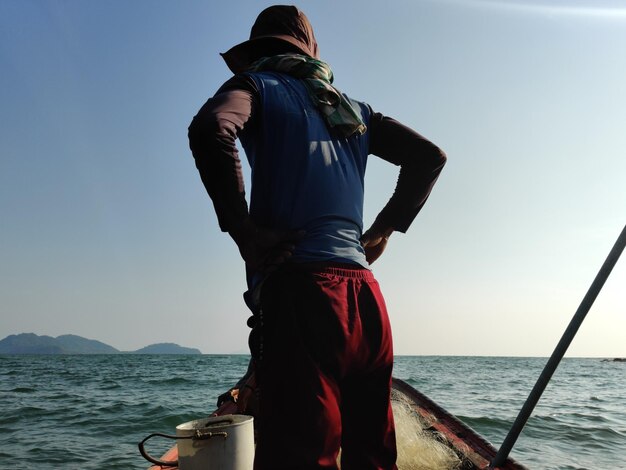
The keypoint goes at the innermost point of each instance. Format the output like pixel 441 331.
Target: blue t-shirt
pixel 304 176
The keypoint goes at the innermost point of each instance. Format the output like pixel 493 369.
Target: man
pixel 321 343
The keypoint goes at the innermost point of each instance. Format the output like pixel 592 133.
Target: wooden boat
pixel 419 419
pixel 428 436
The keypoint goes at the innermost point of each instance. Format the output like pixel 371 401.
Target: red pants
pixel 323 355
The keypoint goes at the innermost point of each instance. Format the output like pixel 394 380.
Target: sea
pixel 89 412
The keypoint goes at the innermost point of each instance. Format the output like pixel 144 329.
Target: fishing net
pixel 419 448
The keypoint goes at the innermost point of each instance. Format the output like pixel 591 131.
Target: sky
pixel 107 232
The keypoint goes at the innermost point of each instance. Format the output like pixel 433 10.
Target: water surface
pixel 82 412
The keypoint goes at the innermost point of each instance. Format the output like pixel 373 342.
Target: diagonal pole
pixel 559 351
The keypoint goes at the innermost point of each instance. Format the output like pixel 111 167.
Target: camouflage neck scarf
pixel 317 77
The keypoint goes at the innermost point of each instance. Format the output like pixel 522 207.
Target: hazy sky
pixel 107 232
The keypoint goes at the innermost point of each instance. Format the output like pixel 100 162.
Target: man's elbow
pixel 203 135
pixel 194 134
pixel 439 158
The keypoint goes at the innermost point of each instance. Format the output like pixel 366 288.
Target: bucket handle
pixel 197 435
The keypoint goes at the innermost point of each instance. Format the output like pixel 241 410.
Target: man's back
pixel 305 177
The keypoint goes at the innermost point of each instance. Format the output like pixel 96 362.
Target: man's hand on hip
pixel 374 241
pixel 265 249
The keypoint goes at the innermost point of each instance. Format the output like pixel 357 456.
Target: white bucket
pixel 216 443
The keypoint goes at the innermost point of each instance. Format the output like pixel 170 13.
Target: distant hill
pixel 166 348
pixel 80 345
pixel 30 343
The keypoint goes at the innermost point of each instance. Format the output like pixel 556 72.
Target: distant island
pixel 30 343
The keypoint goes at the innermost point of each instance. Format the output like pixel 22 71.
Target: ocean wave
pixel 10 372
pixel 23 390
pixel 171 381
pixel 489 427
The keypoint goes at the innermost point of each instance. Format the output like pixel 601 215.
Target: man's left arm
pixel 420 163
pixel 212 139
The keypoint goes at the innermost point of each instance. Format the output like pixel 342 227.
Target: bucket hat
pixel 278 29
